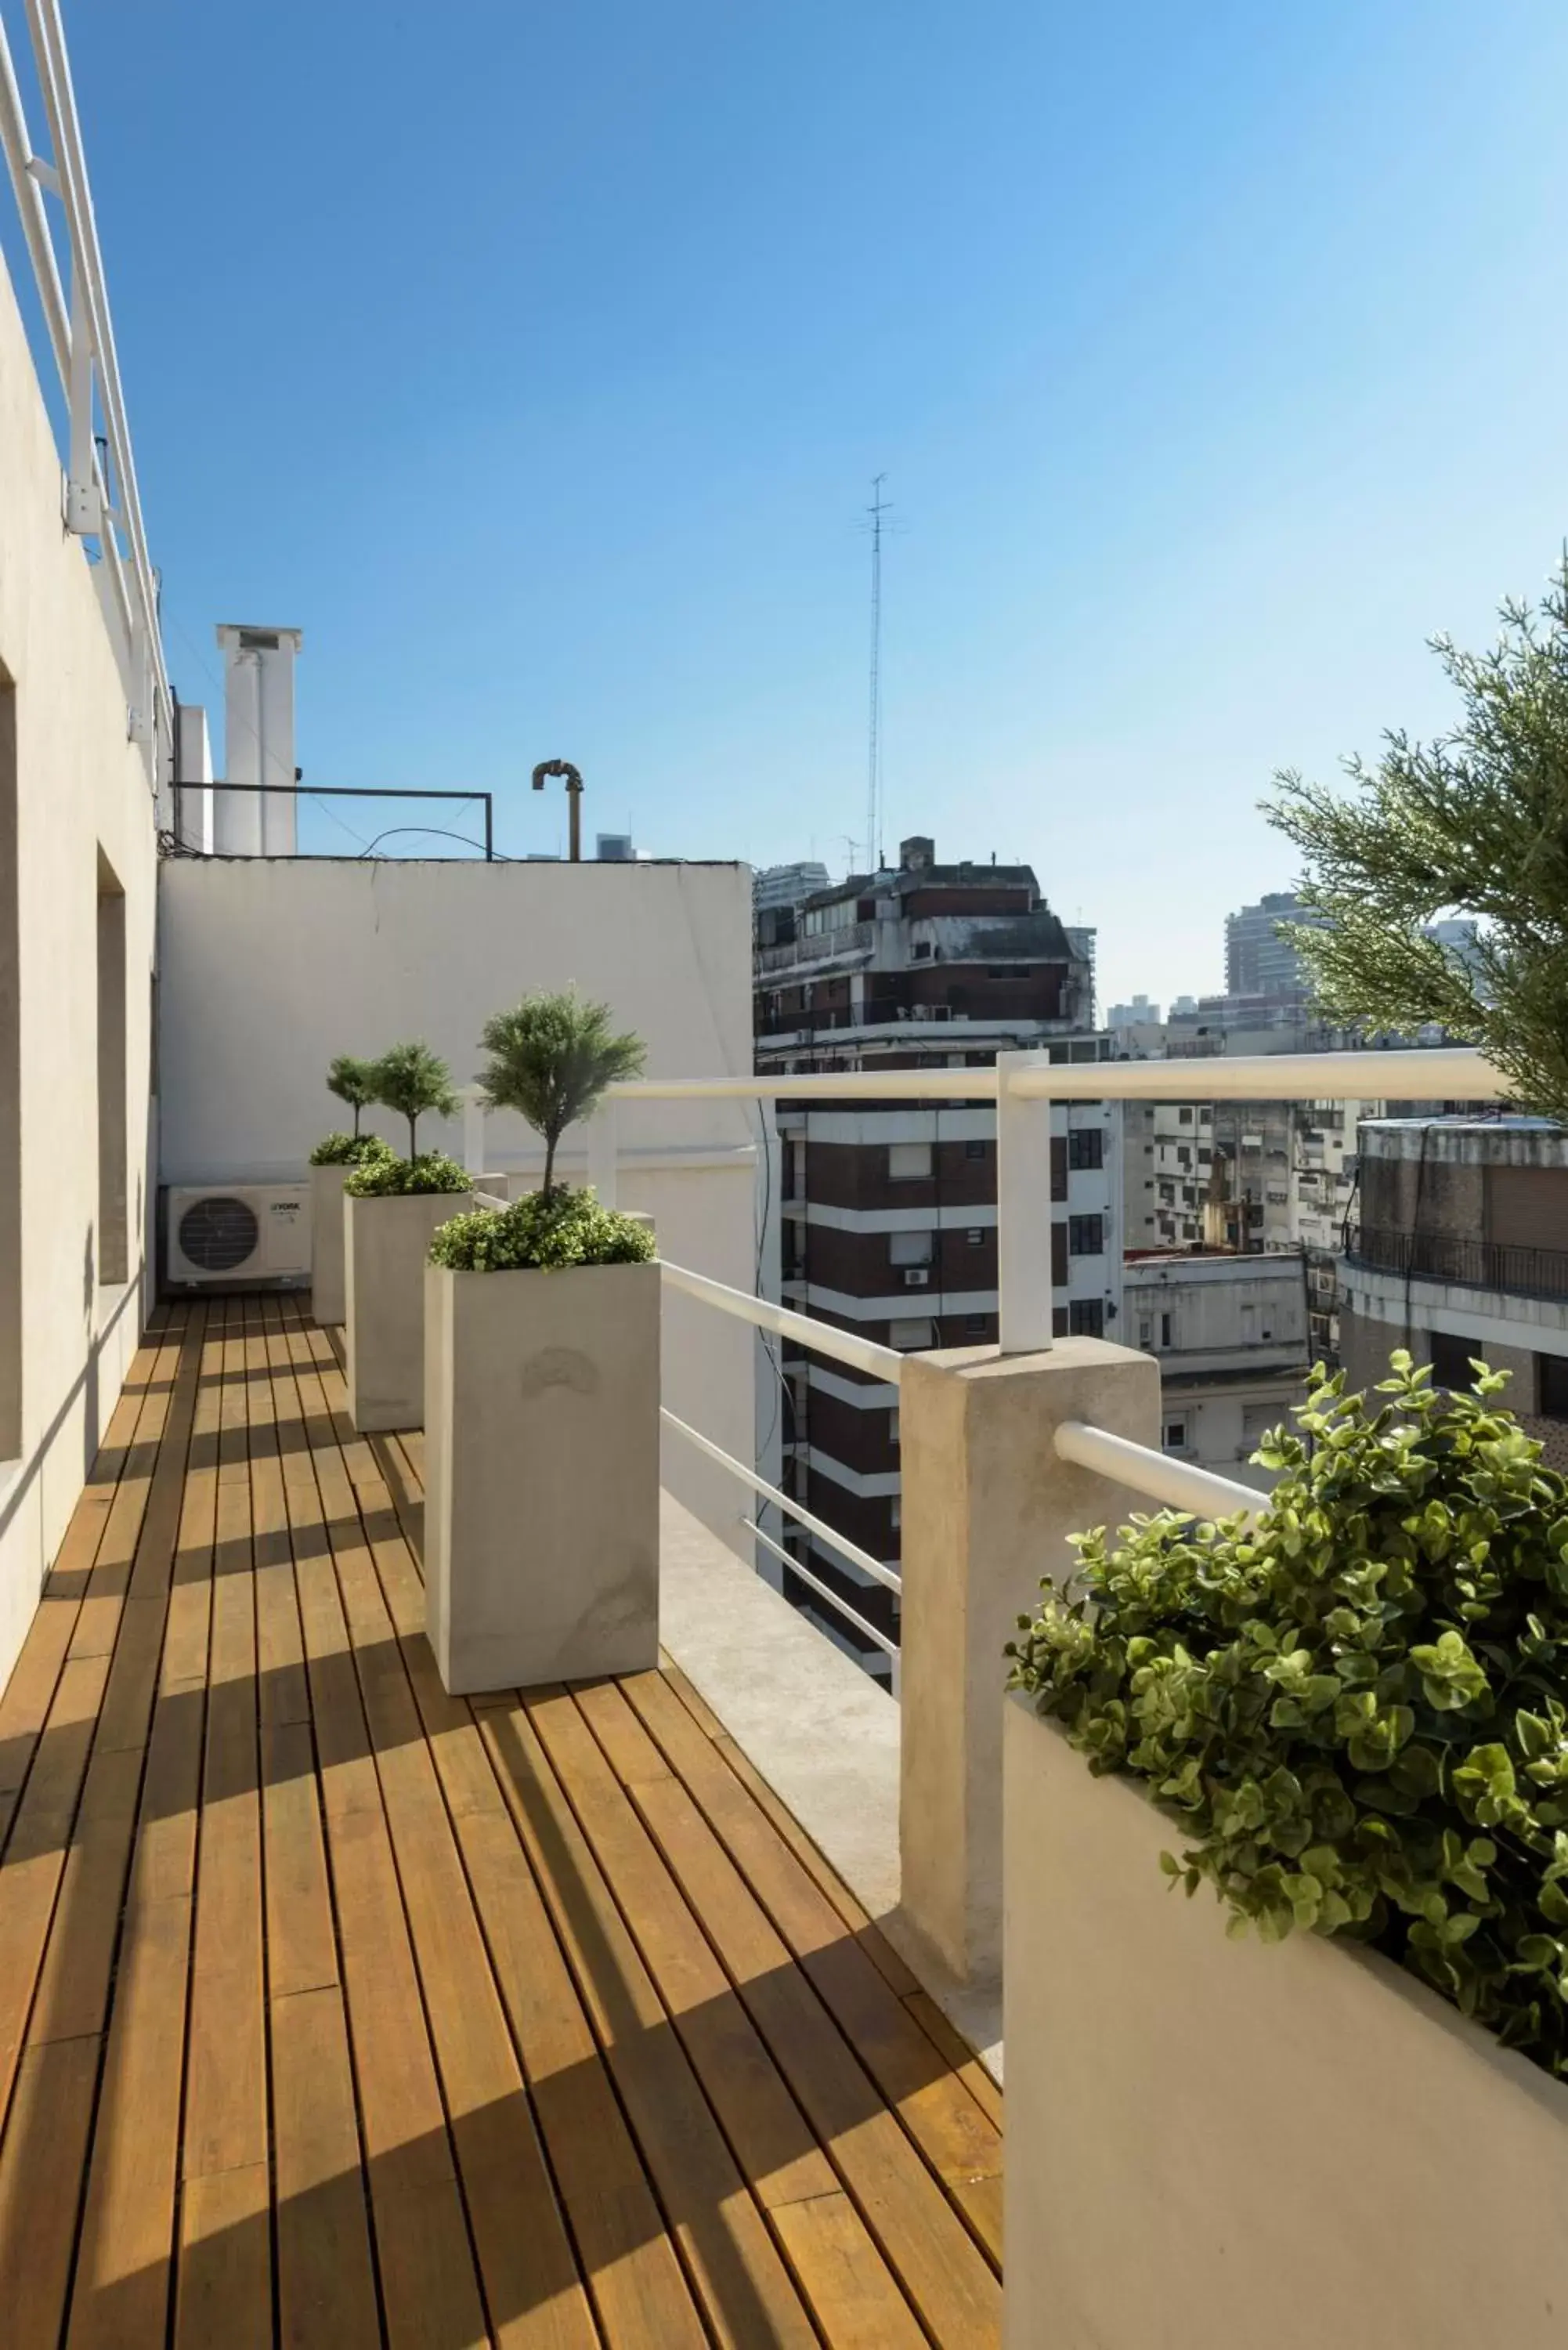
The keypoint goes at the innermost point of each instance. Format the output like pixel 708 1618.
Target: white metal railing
pixel 102 499
pixel 1023 1085
pixel 1175 1484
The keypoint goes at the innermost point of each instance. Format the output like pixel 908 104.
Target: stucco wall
pixel 270 967
pixel 81 795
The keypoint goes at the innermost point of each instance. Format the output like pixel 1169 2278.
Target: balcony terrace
pixel 335 2009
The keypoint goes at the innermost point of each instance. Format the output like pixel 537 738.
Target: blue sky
pixel 536 363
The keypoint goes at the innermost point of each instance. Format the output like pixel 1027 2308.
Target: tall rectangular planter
pixel 542 1474
pixel 328 1298
pixel 384 1246
pixel 1212 2145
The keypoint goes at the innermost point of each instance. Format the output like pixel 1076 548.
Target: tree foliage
pixel 412 1081
pixel 391 1178
pixel 551 1058
pixel 546 1230
pixel 1357 1712
pixel 1475 823
pixel 350 1149
pixel 353 1082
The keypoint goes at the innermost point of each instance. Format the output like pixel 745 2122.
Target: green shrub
pixel 350 1149
pixel 382 1178
pixel 1357 1712
pixel 547 1230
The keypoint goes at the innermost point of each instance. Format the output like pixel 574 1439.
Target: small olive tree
pixel 552 1059
pixel 411 1080
pixel 353 1082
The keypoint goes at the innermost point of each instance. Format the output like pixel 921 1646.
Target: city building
pixel 1140 1014
pixel 1461 1249
pixel 1259 962
pixel 787 885
pixel 1168 1167
pixel 887 1213
pixel 1231 1336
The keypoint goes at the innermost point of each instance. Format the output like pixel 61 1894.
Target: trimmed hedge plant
pixel 350 1150
pixel 1356 1712
pixel 386 1178
pixel 546 1231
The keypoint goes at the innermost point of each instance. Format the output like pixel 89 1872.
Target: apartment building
pixel 1231 1336
pixel 1461 1250
pixel 1167 1169
pixel 889 1212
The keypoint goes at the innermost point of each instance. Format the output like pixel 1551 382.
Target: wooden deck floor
pixel 335 2012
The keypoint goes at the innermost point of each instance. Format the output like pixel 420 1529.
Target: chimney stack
pixel 258 743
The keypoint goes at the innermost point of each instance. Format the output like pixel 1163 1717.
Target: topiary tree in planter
pixel 353 1082
pixel 552 1059
pixel 1356 1712
pixel 338 1149
pixel 412 1081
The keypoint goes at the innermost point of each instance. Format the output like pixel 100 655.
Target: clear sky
pixel 535 361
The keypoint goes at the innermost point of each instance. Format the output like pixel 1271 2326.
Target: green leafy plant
pixel 413 1080
pixel 1357 1710
pixel 548 1231
pixel 350 1149
pixel 551 1058
pixel 353 1082
pixel 1475 823
pixel 389 1178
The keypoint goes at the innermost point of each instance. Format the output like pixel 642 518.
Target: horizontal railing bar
pixel 823 1338
pixel 824 1590
pixel 1198 1493
pixel 1440 1075
pixel 792 1509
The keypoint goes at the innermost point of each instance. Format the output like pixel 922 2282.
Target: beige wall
pixel 82 805
pixel 271 966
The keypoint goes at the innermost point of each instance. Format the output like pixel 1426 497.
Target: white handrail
pixel 824 1591
pixel 792 1509
pixel 1179 1485
pixel 823 1338
pixel 1440 1074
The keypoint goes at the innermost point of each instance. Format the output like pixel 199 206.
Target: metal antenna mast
pixel 879 506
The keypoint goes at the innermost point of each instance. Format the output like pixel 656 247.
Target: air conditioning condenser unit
pixel 236 1233
pixel 918 1277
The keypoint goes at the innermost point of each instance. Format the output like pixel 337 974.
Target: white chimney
pixel 193 764
pixel 258 743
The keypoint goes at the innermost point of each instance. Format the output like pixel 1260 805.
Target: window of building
pixel 909 1162
pixel 1085 1235
pixel 911 1333
pixel 1000 970
pixel 1058 1322
pixel 895 1512
pixel 1146 1332
pixel 920 951
pixel 113 1160
pixel 1451 1359
pixel 974 1237
pixel 1184 1115
pixel 1165 1329
pixel 1087 1317
pixel 1551 1383
pixel 10 1088
pixel 910 1248
pixel 1175 1436
pixel 1086 1147
pixel 1058 1166
pixel 975 1149
pixel 893 1427
pixel 976 1325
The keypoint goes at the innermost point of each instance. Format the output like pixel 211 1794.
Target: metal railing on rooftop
pixel 1508 1267
pixel 102 501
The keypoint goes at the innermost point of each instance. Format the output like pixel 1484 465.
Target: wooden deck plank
pixel 533 2023
pixel 531 2284
pixel 635 2280
pixel 947 2122
pixel 429 2287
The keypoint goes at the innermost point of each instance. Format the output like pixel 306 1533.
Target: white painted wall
pixel 82 788
pixel 270 967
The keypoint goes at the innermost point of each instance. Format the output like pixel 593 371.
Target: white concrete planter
pixel 541 1474
pixel 328 1300
pixel 384 1245
pixel 1212 2145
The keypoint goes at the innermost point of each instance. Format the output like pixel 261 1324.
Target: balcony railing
pixel 1504 1266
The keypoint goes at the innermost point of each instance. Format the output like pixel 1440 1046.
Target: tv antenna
pixel 878 506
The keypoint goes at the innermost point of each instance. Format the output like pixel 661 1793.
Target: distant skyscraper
pixel 787 885
pixel 1082 942
pixel 1258 961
